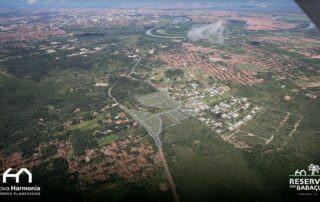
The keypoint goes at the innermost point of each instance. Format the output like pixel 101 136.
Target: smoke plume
pixel 213 32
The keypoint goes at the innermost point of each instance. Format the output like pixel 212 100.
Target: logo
pixel 17 175
pixel 307 182
pixel 14 190
pixel 314 169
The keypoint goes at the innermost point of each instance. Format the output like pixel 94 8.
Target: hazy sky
pixel 144 1
pixel 97 3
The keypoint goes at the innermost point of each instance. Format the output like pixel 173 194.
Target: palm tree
pixel 314 169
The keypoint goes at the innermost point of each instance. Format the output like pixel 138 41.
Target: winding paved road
pixel 154 135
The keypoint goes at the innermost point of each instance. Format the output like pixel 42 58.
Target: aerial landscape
pixel 159 100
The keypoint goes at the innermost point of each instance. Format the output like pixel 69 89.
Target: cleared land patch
pixel 151 122
pixel 174 117
pixel 157 100
pixel 271 129
pixel 107 139
pixel 213 100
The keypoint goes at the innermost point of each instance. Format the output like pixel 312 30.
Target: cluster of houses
pixel 229 115
pixel 16 160
pixel 110 122
pixel 192 57
pixel 129 159
pixel 192 94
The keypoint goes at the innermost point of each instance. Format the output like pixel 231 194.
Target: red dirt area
pixel 207 60
pixel 265 23
pixel 273 39
pixel 30 33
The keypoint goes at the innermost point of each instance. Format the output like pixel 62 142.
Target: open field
pixel 91 124
pixel 266 124
pixel 271 130
pixel 174 117
pixel 213 100
pixel 151 122
pixel 107 139
pixel 157 100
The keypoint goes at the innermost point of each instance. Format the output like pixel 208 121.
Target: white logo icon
pixel 301 172
pixel 314 169
pixel 17 175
